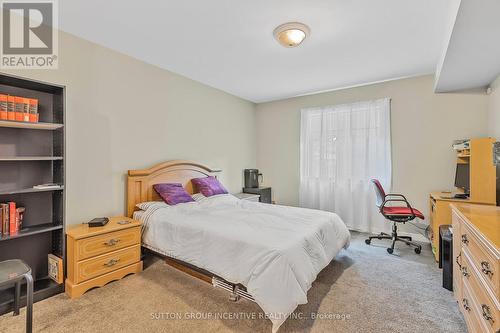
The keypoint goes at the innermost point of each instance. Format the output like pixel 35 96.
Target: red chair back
pixel 379 191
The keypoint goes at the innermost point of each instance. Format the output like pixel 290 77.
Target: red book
pixel 12 217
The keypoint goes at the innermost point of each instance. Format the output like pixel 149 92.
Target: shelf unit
pixel 33 154
pixel 482 172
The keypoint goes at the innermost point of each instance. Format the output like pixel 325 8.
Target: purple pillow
pixel 209 186
pixel 172 194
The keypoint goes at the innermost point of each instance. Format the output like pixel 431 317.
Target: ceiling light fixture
pixel 291 34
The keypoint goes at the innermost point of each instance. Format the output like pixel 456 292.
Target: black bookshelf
pixel 33 154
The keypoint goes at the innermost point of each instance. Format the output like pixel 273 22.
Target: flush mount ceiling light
pixel 291 34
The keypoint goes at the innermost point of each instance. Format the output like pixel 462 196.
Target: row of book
pixel 18 108
pixel 11 218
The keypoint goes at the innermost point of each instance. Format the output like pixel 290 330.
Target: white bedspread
pixel 275 251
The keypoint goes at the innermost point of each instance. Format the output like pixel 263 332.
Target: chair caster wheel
pixel 390 250
pixel 368 241
pixel 418 250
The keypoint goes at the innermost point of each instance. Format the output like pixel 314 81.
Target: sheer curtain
pixel 341 148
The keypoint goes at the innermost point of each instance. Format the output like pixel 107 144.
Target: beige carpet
pixel 363 290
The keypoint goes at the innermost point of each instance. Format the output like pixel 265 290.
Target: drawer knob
pixel 465 304
pixel 111 262
pixel 464 271
pixel 487 313
pixel 464 239
pixel 112 242
pixel 485 268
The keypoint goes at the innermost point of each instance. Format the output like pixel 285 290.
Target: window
pixel 343 147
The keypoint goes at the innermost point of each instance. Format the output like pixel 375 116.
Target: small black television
pixel 462 177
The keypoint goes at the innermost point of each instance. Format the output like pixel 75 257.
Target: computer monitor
pixel 462 177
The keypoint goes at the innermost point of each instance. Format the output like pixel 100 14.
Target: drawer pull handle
pixel 485 268
pixel 465 304
pixel 487 313
pixel 465 272
pixel 464 239
pixel 111 262
pixel 456 260
pixel 112 242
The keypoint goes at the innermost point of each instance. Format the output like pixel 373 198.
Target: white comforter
pixel 275 251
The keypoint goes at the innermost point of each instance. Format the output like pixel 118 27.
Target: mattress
pixel 275 251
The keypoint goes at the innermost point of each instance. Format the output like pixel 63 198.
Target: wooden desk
pixel 476 270
pixel 440 214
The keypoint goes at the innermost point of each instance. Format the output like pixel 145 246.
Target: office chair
pixel 396 214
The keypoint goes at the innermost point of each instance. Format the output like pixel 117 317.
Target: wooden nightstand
pixel 96 256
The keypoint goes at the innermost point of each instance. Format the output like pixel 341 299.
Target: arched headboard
pixel 140 182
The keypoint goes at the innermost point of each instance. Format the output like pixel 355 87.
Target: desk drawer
pixel 94 246
pixel 487 309
pixel 481 258
pixel 90 268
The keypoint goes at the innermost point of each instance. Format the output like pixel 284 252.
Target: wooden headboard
pixel 140 182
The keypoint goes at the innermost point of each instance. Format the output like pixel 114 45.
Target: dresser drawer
pixel 90 268
pixel 468 309
pixel 100 244
pixel 487 308
pixel 481 258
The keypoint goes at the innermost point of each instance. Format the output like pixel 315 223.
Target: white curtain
pixel 342 147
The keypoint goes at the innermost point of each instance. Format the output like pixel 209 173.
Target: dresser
pixel 99 255
pixel 476 273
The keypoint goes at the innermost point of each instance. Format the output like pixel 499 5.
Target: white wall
pixel 125 114
pixel 494 109
pixel 423 124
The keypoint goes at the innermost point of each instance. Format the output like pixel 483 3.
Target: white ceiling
pixel 228 44
pixel 472 57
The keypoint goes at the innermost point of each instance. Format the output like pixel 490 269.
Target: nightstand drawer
pixel 106 263
pixel 101 244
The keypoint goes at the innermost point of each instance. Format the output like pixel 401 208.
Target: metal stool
pixel 14 271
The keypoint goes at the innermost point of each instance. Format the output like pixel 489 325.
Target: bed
pixel 269 253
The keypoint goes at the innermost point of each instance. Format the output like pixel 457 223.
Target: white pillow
pixel 198 197
pixel 149 204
